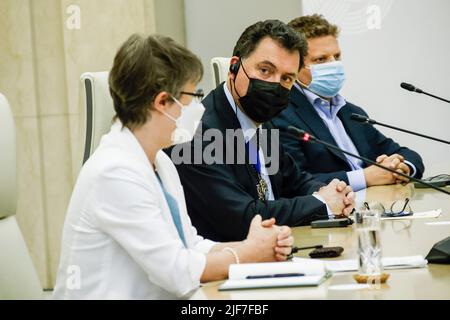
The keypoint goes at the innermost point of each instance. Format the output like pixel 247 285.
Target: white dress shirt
pixel 119 238
pixel 328 112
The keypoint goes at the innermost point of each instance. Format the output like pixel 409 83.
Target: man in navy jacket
pixel 223 194
pixel 317 107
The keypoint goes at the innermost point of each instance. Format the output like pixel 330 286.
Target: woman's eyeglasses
pixel 198 95
pixel 399 208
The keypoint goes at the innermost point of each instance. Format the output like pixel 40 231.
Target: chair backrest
pixel 219 68
pixel 18 278
pixel 99 109
pixel 7 160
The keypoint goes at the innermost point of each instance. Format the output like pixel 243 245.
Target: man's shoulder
pixel 351 107
pixel 210 102
pixel 286 117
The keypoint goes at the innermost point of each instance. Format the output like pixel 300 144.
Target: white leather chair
pixel 99 109
pixel 18 277
pixel 219 68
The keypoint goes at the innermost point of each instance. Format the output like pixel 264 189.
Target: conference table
pixel 399 238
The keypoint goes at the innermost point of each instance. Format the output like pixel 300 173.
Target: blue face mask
pixel 327 78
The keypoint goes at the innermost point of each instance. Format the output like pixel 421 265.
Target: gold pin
pixel 262 188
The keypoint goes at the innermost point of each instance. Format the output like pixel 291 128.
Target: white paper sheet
pixel 438 223
pixel 388 263
pixel 418 215
pixel 404 262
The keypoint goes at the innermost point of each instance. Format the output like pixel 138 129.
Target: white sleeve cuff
pixel 204 245
pixel 356 179
pixel 360 198
pixel 319 197
pixel 413 167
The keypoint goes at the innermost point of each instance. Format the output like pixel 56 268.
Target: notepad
pixel 388 263
pixel 275 275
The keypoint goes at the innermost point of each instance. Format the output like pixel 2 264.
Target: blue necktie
pixel 174 211
pixel 253 151
pixel 253 155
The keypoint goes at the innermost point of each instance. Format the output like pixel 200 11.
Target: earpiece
pixel 234 68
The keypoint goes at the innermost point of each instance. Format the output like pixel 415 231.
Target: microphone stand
pixel 306 137
pixel 436 97
pixel 361 118
pixel 412 88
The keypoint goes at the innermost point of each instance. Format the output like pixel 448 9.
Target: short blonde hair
pixel 314 26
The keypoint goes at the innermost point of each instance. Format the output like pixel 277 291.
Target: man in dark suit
pixel 235 168
pixel 317 107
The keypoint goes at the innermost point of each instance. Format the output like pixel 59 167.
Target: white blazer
pixel 119 239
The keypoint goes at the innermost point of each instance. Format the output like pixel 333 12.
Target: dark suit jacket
pixel 222 199
pixel 325 164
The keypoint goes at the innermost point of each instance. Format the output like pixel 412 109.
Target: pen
pixel 279 275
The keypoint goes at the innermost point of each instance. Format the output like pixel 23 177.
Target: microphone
pixel 364 119
pixel 306 137
pixel 410 87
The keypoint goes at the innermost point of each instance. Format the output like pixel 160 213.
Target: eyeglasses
pixel 399 208
pixel 198 95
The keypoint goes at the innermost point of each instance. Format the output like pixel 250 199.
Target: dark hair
pixel 144 67
pixel 277 30
pixel 314 26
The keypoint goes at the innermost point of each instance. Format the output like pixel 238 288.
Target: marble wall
pixel 45 45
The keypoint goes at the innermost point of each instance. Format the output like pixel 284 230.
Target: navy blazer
pixel 325 164
pixel 222 199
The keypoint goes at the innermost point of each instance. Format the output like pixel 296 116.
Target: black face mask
pixel 264 100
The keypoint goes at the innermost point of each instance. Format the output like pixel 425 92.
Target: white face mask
pixel 187 123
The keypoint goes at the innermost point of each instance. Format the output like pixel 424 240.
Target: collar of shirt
pixel 247 124
pixel 321 105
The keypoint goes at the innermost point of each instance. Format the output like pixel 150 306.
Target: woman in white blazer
pixel 127 234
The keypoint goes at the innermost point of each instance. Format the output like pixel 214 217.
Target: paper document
pixel 418 215
pixel 388 263
pixel 438 223
pixel 404 262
